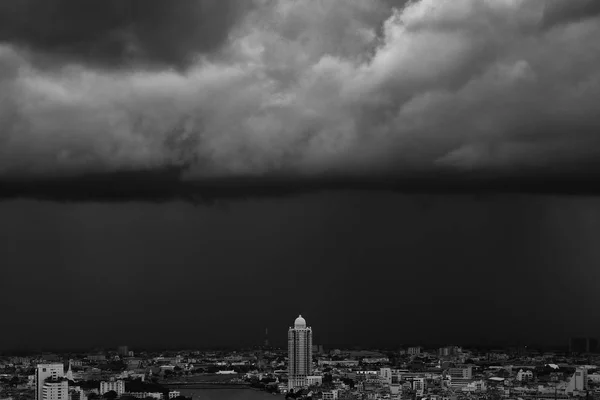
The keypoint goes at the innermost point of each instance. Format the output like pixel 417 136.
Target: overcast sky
pixel 150 103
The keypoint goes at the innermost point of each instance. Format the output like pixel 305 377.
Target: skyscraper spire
pixel 69 373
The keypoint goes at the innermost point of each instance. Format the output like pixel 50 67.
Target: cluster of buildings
pixel 53 383
pixel 90 377
pixel 305 370
pixel 446 373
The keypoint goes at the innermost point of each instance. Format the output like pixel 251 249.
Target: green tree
pixel 112 395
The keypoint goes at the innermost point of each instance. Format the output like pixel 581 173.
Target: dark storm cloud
pixel 563 12
pixel 302 90
pixel 164 185
pixel 116 32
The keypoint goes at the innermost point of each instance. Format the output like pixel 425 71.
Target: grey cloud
pixel 306 90
pixel 563 12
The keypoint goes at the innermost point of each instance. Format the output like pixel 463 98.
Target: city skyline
pixel 410 373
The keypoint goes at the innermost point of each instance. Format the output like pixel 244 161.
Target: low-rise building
pixel 524 375
pixel 331 395
pixel 117 386
pixel 460 376
pixel 314 380
pixel 97 357
pixel 143 395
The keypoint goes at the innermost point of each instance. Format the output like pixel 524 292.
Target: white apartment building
pixel 418 385
pixel 46 371
pixel 475 386
pixel 117 386
pixel 299 354
pixel 578 382
pixel 174 393
pixel 415 350
pixel 386 375
pixel 55 389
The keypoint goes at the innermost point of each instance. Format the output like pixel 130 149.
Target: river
pixel 221 393
pixel 228 394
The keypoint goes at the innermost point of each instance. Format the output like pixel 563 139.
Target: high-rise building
pixel 44 372
pixel 55 389
pixel 299 354
pixel 123 351
pixel 578 382
pixel 448 351
pixel 583 345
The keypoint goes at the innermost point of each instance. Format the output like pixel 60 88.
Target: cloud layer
pixel 300 88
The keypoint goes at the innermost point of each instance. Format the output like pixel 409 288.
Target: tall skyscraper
pixel 299 354
pixel 46 371
pixel 583 345
pixel 123 351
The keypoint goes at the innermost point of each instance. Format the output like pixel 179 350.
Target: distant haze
pixel 361 268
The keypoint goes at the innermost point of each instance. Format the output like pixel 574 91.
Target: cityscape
pixel 307 370
pixel 299 199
